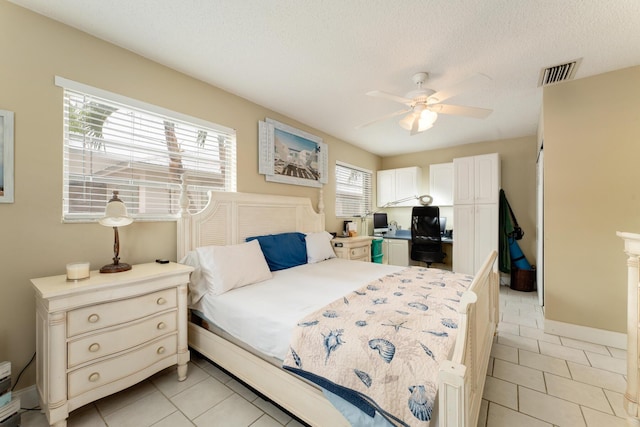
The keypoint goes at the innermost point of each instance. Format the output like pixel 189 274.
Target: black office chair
pixel 426 241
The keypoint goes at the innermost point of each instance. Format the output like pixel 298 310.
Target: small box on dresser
pixel 101 335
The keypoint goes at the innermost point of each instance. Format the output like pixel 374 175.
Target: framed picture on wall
pixel 291 156
pixel 6 156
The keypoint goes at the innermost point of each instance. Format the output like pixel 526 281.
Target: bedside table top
pixel 58 286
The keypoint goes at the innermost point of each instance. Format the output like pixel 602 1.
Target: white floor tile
pixel 504 352
pixel 155 407
pixel 177 419
pixel 499 416
pixel 583 345
pixel 201 397
pixel 231 412
pixel 607 362
pixel 266 421
pixel 112 403
pixel 597 377
pixel 544 363
pixel 501 392
pixel 520 320
pixel 550 409
pixel 521 375
pixel 482 416
pixel 538 334
pixel 272 410
pixel 618 353
pixel 577 392
pixel 87 416
pixel 243 391
pixel 519 342
pixel 562 352
pixel 168 382
pixel 599 419
pixel 616 401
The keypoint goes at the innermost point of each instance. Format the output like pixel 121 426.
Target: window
pixel 143 151
pixel 353 190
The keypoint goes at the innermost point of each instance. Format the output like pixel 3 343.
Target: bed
pixel 230 218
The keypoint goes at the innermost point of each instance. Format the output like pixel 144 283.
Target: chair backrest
pixel 426 240
pixel 425 225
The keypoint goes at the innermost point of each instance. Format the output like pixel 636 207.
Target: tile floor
pixel 534 379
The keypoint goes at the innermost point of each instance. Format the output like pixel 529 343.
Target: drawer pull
pixel 93 318
pixel 94 347
pixel 160 350
pixel 161 301
pixel 94 377
pixel 162 325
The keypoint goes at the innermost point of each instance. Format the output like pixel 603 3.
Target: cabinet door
pixel 463 246
pixel 386 187
pixel 407 185
pixel 398 252
pixel 486 233
pixel 441 184
pixel 486 178
pixel 463 186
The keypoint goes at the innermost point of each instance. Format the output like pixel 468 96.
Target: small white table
pixel 355 248
pixel 100 335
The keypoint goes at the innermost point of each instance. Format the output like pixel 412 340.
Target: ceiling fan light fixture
pixel 427 119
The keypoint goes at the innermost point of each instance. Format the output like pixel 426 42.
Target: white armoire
pixel 476 195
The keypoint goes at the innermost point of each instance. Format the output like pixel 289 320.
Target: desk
pixel 397 249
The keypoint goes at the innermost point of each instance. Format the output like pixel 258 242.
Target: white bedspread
pixel 264 314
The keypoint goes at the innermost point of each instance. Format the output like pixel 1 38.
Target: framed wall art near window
pixel 292 156
pixel 6 156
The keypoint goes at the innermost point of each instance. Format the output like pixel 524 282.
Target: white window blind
pixel 353 190
pixel 143 151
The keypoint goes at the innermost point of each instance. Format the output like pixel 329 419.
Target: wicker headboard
pixel 229 218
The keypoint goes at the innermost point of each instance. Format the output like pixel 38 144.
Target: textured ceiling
pixel 314 60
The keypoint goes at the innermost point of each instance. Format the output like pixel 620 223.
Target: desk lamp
pixel 115 215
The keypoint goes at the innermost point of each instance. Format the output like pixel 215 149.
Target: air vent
pixel 558 73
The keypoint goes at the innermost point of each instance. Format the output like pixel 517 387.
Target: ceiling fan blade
pixel 460 110
pixel 379 119
pixel 474 82
pixel 390 96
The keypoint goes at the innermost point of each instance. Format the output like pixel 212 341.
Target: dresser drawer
pixel 96 375
pixel 106 343
pixel 360 252
pixel 113 313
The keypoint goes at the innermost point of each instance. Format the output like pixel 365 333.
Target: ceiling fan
pixel 425 104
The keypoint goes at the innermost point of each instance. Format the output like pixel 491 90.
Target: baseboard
pixel 28 397
pixel 586 333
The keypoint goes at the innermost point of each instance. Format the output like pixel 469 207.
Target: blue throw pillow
pixel 283 250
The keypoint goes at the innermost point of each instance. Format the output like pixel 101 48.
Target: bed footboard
pixel 461 379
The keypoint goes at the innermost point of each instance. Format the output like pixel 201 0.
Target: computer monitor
pixel 443 224
pixel 380 224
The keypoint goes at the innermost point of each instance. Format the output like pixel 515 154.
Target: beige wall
pixel 34 241
pixel 518 179
pixel 591 152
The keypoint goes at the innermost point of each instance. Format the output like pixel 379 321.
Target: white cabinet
pixel 106 333
pixel 441 184
pixel 398 184
pixel 475 211
pixel 476 179
pixel 395 252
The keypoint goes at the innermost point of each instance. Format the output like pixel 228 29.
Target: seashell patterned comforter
pixel 380 346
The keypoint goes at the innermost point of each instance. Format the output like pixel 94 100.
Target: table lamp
pixel 115 215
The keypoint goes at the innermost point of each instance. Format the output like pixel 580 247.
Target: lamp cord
pixel 22 371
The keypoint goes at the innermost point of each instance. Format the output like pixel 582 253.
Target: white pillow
pixel 228 267
pixel 319 247
pixel 197 283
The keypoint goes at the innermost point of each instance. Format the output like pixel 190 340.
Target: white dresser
pixel 98 336
pixel 632 395
pixel 355 248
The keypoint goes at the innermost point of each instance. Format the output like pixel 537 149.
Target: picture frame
pixel 291 156
pixel 6 156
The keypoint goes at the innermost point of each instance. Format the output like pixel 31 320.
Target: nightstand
pixel 355 248
pixel 100 335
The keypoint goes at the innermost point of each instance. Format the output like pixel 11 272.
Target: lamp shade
pixel 115 214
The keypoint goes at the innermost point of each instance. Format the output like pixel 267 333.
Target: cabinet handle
pixel 160 350
pixel 94 377
pixel 93 318
pixel 162 325
pixel 94 347
pixel 161 301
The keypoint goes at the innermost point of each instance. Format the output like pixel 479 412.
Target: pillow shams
pixel 233 266
pixel 319 247
pixel 283 250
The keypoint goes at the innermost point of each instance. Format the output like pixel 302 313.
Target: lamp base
pixel 115 268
